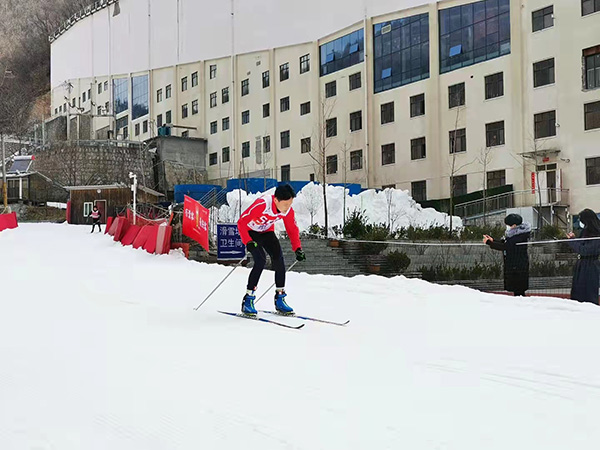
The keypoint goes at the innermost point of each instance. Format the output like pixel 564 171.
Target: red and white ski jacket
pixel 261 217
pixel 95 215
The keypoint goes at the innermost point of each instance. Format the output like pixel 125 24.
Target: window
pixel 213 71
pixel 332 164
pixel 225 95
pixel 195 79
pixel 145 126
pixel 356 121
pixel 496 179
pixel 458 141
pixel 304 63
pixel 285 173
pixel 168 91
pixel 388 154
pixel 184 84
pixel 456 95
pixel 245 87
pixel 105 86
pixel 473 33
pixel 246 149
pixel 213 99
pixel 159 96
pixel 356 160
pixel 494 85
pixel 331 127
pixel 120 95
pixel 137 129
pixel 122 127
pixel 84 94
pixel 168 117
pixel 159 120
pixel 417 105
pixel 355 81
pixel 185 134
pixel 312 177
pixel 592 67
pixel 459 185
pixel 213 159
pixel 99 88
pixel 330 89
pixel 284 104
pixel 589 7
pixel 213 127
pixel 418 190
pixel 592 115
pixel 342 52
pixel 140 96
pixel 305 108
pixel 284 71
pixel 545 124
pixel 194 107
pixel 387 113
pixel 184 111
pixel 265 79
pixel 494 134
pixel 305 145
pixel 99 110
pixel 225 123
pixel 592 171
pixel 89 93
pixel 225 154
pixel 266 110
pixel 87 208
pixel 285 139
pixel 417 148
pixel 542 18
pixel 245 117
pixel 401 52
pixel 266 144
pixel 543 73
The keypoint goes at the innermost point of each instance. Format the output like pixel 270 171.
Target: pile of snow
pixel 56 205
pixel 100 348
pixel 393 207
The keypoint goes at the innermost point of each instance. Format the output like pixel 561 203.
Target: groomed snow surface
pixel 100 348
pixel 392 207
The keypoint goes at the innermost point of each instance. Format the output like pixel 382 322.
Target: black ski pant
pixel 96 222
pixel 266 241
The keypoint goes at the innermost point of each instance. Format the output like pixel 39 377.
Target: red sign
pixel 195 221
pixel 533 182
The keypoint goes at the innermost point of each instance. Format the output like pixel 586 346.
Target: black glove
pixel 251 246
pixel 300 255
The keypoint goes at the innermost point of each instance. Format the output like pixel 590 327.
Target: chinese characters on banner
pixel 195 221
pixel 229 243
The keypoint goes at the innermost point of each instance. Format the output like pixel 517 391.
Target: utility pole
pixel 134 189
pixel 4 187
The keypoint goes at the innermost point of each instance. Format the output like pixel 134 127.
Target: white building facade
pixel 484 93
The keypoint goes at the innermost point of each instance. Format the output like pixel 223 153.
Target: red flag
pixel 195 221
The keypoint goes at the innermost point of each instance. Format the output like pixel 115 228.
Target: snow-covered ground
pixel 100 348
pixel 392 207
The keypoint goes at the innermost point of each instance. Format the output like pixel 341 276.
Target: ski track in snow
pixel 100 348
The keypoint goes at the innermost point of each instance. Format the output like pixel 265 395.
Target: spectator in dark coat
pixel 95 215
pixel 516 258
pixel 586 275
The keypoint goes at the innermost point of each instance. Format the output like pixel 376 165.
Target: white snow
pixel 100 349
pixel 393 207
pixel 56 205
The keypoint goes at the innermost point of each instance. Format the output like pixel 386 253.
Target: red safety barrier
pixel 122 226
pixel 8 221
pixel 109 222
pixel 113 226
pixel 163 240
pixel 69 211
pixel 182 246
pixel 150 245
pixel 142 237
pixel 130 235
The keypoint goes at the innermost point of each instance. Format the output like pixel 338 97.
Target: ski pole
pixel 219 285
pixel 271 287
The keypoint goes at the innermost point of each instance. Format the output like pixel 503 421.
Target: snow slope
pixel 100 349
pixel 393 207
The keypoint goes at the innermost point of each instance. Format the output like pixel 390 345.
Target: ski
pixel 262 319
pixel 312 319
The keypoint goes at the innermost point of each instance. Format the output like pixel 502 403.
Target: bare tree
pixel 484 158
pixel 313 202
pixel 319 146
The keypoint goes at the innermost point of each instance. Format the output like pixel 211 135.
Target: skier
pixel 516 259
pixel 586 274
pixel 95 215
pixel 257 230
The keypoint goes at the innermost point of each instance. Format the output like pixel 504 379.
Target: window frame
pixel 284 104
pixel 457 97
pixel 353 84
pixel 213 99
pixel 245 87
pixel 246 117
pixel 413 188
pixel 225 95
pixel 356 119
pixel 356 155
pixel 418 148
pixel 595 113
pixel 210 159
pixel 214 127
pixel 284 139
pixel 213 71
pixel 494 130
pixel 331 127
pixel 542 14
pixel 494 85
pixel 459 135
pixel 184 84
pixel 195 79
pixel 284 72
pixel 304 108
pixel 391 150
pixel 331 89
pixel 416 101
pixel 387 116
pixel 552 124
pixel 266 81
pixel 305 63
pixel 266 108
pixel 331 164
pixel 305 145
pixel 592 170
pixel 537 73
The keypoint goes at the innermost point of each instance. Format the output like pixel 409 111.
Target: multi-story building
pixel 484 93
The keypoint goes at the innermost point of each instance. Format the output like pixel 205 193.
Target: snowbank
pixel 393 207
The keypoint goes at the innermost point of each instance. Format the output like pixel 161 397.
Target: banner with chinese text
pixel 195 221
